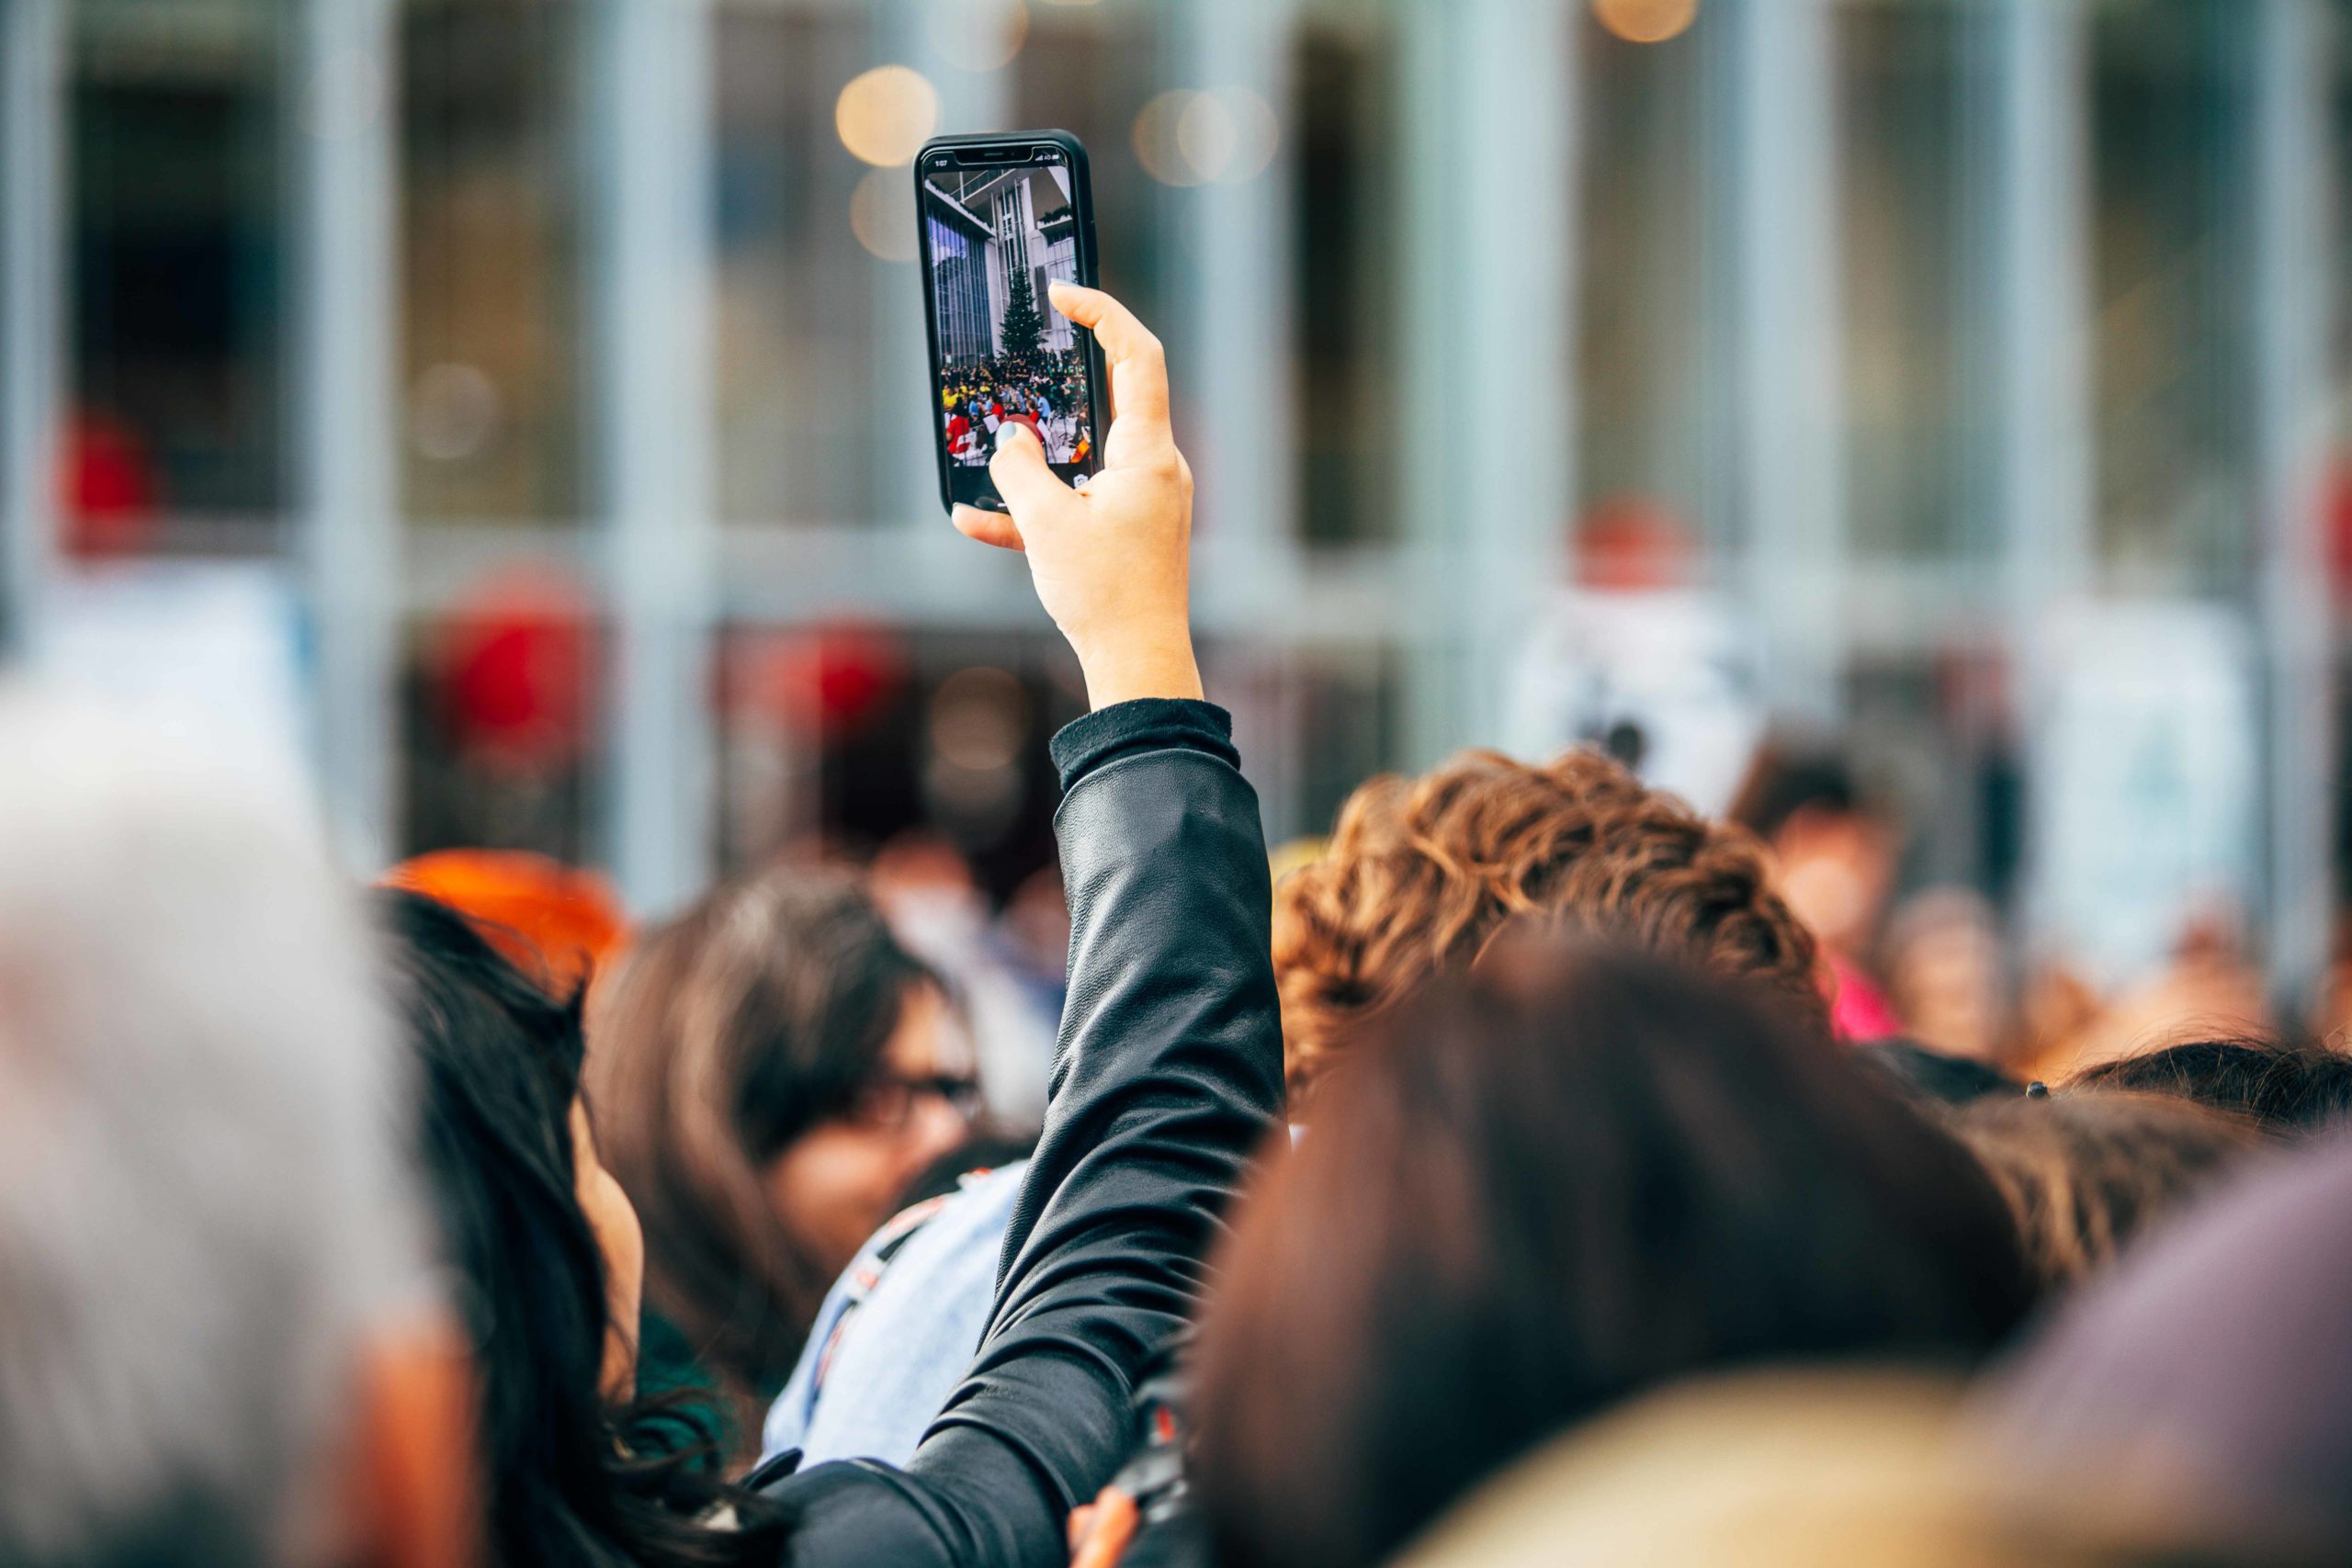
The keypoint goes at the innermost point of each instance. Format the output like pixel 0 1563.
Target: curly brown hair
pixel 1421 873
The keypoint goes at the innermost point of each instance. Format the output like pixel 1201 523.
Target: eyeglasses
pixel 889 1102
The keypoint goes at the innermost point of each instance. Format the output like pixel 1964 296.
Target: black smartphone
pixel 1002 215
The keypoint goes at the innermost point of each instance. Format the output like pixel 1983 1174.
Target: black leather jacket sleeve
pixel 1167 1075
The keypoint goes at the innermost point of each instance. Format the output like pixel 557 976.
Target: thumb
pixel 1029 487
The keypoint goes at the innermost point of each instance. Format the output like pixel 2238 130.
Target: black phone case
pixel 1082 198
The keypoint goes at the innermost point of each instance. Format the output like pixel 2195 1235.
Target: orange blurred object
pixel 1100 1532
pixel 558 923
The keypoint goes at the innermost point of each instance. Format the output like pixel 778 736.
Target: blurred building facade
pixel 543 380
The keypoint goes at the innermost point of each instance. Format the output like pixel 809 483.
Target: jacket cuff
pixel 1146 724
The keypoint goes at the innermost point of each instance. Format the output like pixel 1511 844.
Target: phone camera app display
pixel 998 238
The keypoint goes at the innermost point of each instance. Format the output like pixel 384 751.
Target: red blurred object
pixel 1859 1010
pixel 112 491
pixel 557 924
pixel 515 661
pixel 828 681
pixel 1632 542
pixel 2336 517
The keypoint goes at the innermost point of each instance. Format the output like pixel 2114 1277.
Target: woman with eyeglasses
pixel 768 1072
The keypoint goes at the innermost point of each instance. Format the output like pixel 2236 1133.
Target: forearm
pixel 1167 1076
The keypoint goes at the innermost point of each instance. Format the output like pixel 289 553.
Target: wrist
pixel 1164 668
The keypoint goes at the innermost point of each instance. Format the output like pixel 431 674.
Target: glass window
pixel 491 314
pixel 1904 205
pixel 798 416
pixel 1344 302
pixel 1652 348
pixel 2169 115
pixel 174 432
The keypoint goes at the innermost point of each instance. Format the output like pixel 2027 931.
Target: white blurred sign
pixel 1671 677
pixel 2144 804
pixel 209 652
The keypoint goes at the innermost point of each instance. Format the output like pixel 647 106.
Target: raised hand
pixel 1111 561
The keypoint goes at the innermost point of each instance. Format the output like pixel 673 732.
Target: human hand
pixel 1111 563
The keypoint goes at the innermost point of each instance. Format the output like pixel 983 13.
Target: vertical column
pixel 1237 305
pixel 650 112
pixel 1231 331
pixel 32 307
pixel 2287 295
pixel 2040 279
pixel 345 409
pixel 2040 381
pixel 910 31
pixel 1491 275
pixel 1786 420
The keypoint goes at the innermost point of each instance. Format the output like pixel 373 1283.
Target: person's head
pixel 2286 1087
pixel 1420 873
pixel 216 1344
pixel 2085 1170
pixel 770 1071
pixel 1545 1184
pixel 1938 1078
pixel 1947 973
pixel 550 1254
pixel 1834 854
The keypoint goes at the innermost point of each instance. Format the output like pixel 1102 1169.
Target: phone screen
pixel 994 236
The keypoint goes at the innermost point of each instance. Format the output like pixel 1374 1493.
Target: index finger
pixel 1139 366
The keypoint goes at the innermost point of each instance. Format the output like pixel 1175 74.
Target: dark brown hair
pixel 1421 873
pixel 2286 1087
pixel 757 1015
pixel 1543 1186
pixel 2084 1170
pixel 570 1480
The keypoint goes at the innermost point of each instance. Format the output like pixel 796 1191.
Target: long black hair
pixel 570 1479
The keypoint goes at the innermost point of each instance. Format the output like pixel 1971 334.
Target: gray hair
pixel 202 1199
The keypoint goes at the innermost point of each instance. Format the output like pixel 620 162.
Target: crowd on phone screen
pixel 1651 1191
pixel 1046 392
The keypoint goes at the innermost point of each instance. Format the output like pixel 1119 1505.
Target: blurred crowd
pixel 1536 1169
pixel 1649 1195
pixel 1046 392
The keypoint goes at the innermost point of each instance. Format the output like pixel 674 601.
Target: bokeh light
pixel 454 411
pixel 1229 135
pixel 882 215
pixel 975 37
pixel 1646 21
pixel 886 115
pixel 979 718
pixel 1225 136
pixel 1155 139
